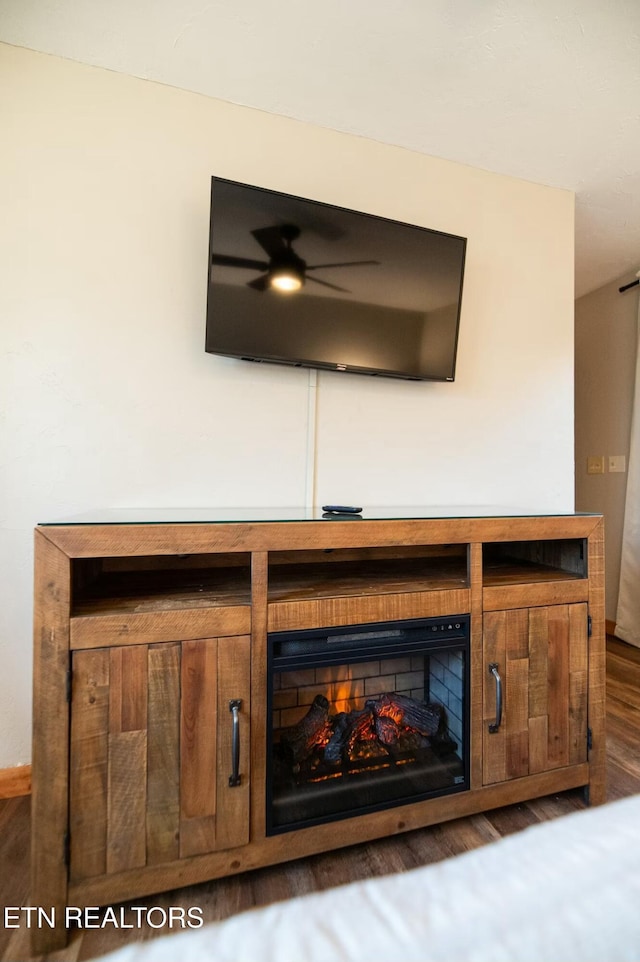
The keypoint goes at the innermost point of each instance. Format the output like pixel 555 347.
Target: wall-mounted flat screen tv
pixel 295 281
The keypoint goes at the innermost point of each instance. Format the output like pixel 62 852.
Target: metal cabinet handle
pixel 235 777
pixel 493 670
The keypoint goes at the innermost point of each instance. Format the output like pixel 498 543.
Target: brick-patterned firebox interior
pixel 372 716
pixel 347 687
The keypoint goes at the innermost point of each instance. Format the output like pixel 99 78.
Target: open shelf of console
pixel 520 562
pixel 295 582
pixel 116 600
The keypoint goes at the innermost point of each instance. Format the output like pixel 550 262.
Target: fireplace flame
pixel 344 698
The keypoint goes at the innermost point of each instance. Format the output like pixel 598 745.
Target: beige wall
pixel 110 399
pixel 605 374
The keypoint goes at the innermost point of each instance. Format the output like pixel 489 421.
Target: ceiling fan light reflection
pixel 285 281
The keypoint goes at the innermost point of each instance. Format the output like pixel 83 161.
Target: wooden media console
pixel 147 634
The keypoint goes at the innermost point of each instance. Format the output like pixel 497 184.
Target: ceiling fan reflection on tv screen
pixel 285 271
pixel 340 289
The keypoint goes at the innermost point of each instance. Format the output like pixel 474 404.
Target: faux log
pixel 406 711
pixel 387 730
pixel 310 731
pixel 348 729
pixel 384 719
pixel 360 730
pixel 335 745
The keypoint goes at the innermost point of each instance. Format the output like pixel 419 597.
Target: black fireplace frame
pixel 317 647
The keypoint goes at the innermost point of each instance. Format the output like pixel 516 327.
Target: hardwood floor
pixel 226 897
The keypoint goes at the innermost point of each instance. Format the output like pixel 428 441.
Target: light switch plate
pixel 617 463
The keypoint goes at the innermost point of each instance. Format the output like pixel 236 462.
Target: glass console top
pixel 259 515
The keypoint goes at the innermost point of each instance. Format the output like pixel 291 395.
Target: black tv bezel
pixel 322 365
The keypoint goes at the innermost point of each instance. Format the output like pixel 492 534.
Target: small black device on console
pixel 340 509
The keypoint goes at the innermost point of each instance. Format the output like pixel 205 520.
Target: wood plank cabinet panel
pixel 163 753
pixel 531 595
pixel 142 628
pixel 89 754
pixel 328 612
pixel 198 736
pixel 541 656
pixel 234 672
pixel 151 740
pixel 126 801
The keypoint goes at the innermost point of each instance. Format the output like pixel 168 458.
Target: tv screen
pixel 295 281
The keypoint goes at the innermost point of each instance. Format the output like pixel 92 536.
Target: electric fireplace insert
pixel 365 717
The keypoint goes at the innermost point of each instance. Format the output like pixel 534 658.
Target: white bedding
pixel 564 891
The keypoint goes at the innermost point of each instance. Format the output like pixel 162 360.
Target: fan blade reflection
pixel 227 260
pixel 260 284
pixel 315 267
pixel 334 287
